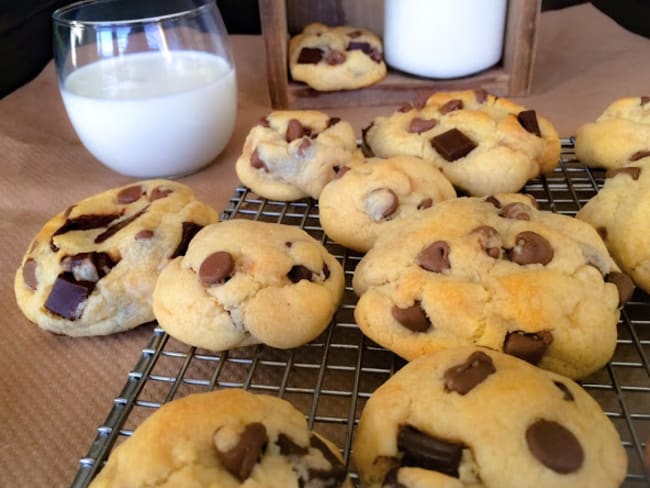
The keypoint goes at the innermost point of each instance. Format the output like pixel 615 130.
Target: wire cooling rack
pixel 331 378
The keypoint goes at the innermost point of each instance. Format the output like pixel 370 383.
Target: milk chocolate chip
pixel 554 446
pixel 462 378
pixel 159 192
pixel 257 162
pixel 300 272
pixel 481 95
pixel 451 105
pixel 624 284
pixel 334 57
pixel 631 171
pixel 294 130
pixel 528 120
pixel 67 296
pixel 242 458
pixel 130 194
pixel 216 268
pixel 489 240
pixel 423 451
pixel 413 318
pixel 143 234
pixel 381 203
pixel 517 211
pixel 529 346
pixel 531 248
pixel 452 145
pixel 434 257
pixel 310 55
pixel 187 233
pixel 419 125
pixel 639 154
pixel 29 274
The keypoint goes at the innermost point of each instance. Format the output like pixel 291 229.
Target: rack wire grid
pixel 331 378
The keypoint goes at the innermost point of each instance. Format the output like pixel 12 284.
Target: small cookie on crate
pixel 481 143
pixel 225 438
pixel 495 272
pixel 91 269
pixel 364 201
pixel 246 282
pixel 290 154
pixel 336 58
pixel 621 134
pixel 472 416
pixel 620 212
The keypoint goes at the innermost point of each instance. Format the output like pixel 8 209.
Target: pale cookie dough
pixel 494 272
pixel 290 155
pixel 364 201
pixel 225 439
pixel 474 417
pixel 336 58
pixel 91 269
pixel 620 212
pixel 620 135
pixel 247 282
pixel 482 144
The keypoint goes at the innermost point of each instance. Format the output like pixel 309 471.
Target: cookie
pixel 336 58
pixel 247 282
pixel 290 155
pixel 620 212
pixel 364 201
pixel 620 135
pixel 91 269
pixel 225 438
pixel 494 272
pixel 482 144
pixel 472 416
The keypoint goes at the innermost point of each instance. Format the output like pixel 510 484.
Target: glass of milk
pixel 149 85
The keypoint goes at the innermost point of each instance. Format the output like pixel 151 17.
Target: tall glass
pixel 149 85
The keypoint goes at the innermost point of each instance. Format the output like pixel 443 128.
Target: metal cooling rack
pixel 331 378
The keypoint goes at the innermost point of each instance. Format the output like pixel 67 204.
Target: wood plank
pixel 520 44
pixel 273 17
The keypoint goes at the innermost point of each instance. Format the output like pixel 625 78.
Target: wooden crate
pixel 510 77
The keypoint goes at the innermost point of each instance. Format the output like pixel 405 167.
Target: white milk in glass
pixel 153 114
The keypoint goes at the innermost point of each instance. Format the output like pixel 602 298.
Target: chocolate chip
pixel 310 55
pixel 257 162
pixel 381 203
pixel 639 155
pixel 159 192
pixel 554 446
pixel 242 458
pixel 187 233
pixel 413 318
pixel 264 122
pixel 288 447
pixel 216 268
pixel 424 451
pixel 531 248
pixel 144 235
pixel 294 130
pixel 602 232
pixel 113 229
pixel 333 477
pixel 426 203
pixel 566 393
pixel 341 171
pixel 517 211
pixel 462 378
pixel 335 57
pixel 481 95
pixel 529 346
pixel 130 194
pixel 29 274
pixel 494 201
pixel 354 34
pixel 434 257
pixel 631 171
pixel 451 106
pixel 452 145
pixel 67 296
pixel 299 272
pixel 88 266
pixel 528 120
pixel 419 125
pixel 624 285
pixel 644 99
pixel 489 240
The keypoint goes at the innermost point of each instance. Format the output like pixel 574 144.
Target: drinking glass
pixel 148 85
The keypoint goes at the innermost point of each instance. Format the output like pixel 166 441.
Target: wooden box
pixel 510 77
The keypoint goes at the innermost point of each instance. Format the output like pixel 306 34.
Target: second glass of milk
pixel 148 85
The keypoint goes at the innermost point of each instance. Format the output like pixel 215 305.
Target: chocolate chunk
pixel 216 268
pixel 242 458
pixel 413 318
pixel 529 346
pixel 88 266
pixel 639 155
pixel 419 125
pixel 434 257
pixel 360 46
pixel 257 162
pixel 517 211
pixel 326 271
pixel 335 57
pixel 333 477
pixel 341 171
pixel 365 147
pixel 554 446
pixel 299 272
pixel 644 99
pixel 159 192
pixel 29 274
pixel 67 296
pixel 489 240
pixel 288 447
pixel 624 284
pixel 451 105
pixel 86 222
pixel 264 122
pixel 566 393
pixel 531 248
pixel 144 234
pixel 130 194
pixel 426 203
pixel 464 377
pixel 354 34
pixel 113 229
pixel 188 232
pixel 310 55
pixel 631 171
pixel 494 201
pixel 294 130
pixel 332 121
pixel 528 120
pixel 381 203
pixel 423 451
pixel 452 145
pixel 602 232
pixel 481 95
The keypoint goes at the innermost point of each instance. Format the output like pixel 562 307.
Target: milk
pixel 153 114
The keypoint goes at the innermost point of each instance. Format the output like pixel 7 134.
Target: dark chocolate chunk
pixel 464 377
pixel 86 222
pixel 67 296
pixel 425 203
pixel 310 55
pixel 88 266
pixel 419 125
pixel 159 192
pixel 300 272
pixel 360 46
pixel 335 57
pixel 528 120
pixel 413 318
pixel 329 478
pixel 29 274
pixel 187 233
pixel 489 240
pixel 633 171
pixel 144 234
pixel 294 130
pixel 624 284
pixel 423 451
pixel 288 447
pixel 639 154
pixel 452 145
pixel 516 211
pixel 216 268
pixel 332 122
pixel 554 446
pixel 481 95
pixel 257 162
pixel 494 201
pixel 566 393
pixel 450 106
pixel 644 99
pixel 434 257
pixel 242 458
pixel 531 248
pixel 113 229
pixel 130 194
pixel 529 346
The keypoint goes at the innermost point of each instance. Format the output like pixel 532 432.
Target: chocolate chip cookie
pixel 225 438
pixel 91 269
pixel 364 201
pixel 247 282
pixel 290 155
pixel 620 212
pixel 620 135
pixel 336 58
pixel 482 144
pixel 495 272
pixel 472 416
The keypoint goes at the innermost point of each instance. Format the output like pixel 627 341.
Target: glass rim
pixel 59 14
